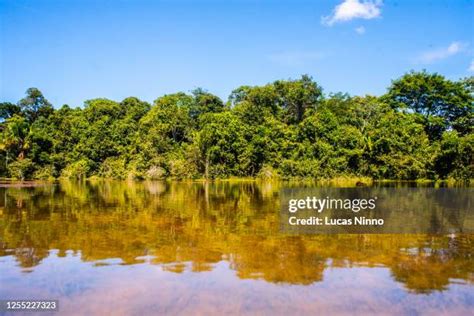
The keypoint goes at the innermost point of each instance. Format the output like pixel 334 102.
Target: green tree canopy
pixel 422 128
pixel 35 105
pixel 443 104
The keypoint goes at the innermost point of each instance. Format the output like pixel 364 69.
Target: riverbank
pixel 338 181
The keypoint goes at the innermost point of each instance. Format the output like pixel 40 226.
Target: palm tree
pixel 16 136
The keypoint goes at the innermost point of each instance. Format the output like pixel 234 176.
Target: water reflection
pixel 210 229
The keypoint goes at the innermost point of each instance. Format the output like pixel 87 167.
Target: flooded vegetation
pixel 182 247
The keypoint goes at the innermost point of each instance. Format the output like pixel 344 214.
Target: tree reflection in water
pixel 193 226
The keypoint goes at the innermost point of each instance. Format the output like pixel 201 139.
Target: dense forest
pixel 422 128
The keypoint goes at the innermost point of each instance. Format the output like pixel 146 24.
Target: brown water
pixel 194 248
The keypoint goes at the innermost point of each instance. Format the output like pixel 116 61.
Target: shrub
pixel 77 170
pixel 44 173
pixel 182 169
pixel 21 169
pixel 113 167
pixel 155 173
pixel 267 173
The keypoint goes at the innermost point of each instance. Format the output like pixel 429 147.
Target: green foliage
pixel 21 169
pixel 455 158
pixel 35 105
pixel 222 144
pixel 399 149
pixel 113 167
pixel 16 136
pixel 77 170
pixel 8 109
pixel 268 173
pixel 44 173
pixel 166 125
pixel 442 104
pixel 422 128
pixel 204 102
pixel 297 96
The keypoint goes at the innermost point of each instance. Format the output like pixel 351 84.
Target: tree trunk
pixel 207 167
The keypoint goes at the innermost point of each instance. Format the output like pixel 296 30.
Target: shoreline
pixel 352 182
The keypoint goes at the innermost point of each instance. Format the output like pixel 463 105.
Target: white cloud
pixel 442 53
pixel 353 9
pixel 295 58
pixel 471 66
pixel 360 30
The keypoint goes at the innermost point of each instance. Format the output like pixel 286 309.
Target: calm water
pixel 193 248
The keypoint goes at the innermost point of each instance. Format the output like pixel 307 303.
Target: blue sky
pixel 79 50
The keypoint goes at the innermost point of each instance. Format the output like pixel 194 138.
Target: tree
pixel 296 96
pixel 134 108
pixel 168 122
pixel 222 143
pixel 442 104
pixel 204 102
pixel 399 149
pixel 16 136
pixel 456 156
pixel 422 128
pixel 35 105
pixel 7 110
pixel 97 140
pixel 254 104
